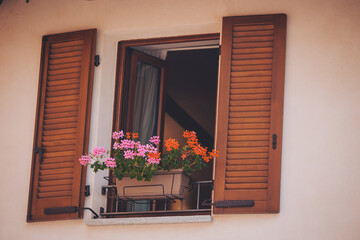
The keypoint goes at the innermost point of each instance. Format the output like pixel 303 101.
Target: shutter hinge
pixel 219 49
pixel 29 217
pixel 97 60
pixel 87 190
pixel 39 150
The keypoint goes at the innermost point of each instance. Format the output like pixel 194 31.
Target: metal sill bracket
pixel 72 209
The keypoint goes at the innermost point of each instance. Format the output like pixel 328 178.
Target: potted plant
pixel 142 172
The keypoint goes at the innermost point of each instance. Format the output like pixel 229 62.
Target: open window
pixel 168 86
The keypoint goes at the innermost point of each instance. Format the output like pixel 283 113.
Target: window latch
pixel 274 141
pixel 229 204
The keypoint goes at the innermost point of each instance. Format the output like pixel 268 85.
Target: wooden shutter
pixel 62 124
pixel 250 113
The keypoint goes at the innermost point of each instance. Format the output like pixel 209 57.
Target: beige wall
pixel 320 172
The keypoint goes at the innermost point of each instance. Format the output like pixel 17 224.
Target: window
pixel 180 94
pixel 248 131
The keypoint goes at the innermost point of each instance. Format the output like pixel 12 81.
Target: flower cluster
pixel 141 161
pixel 192 156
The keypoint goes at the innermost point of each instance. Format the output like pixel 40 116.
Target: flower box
pixel 164 184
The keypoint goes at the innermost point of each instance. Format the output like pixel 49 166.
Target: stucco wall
pixel 320 171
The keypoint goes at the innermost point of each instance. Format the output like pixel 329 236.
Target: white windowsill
pixel 149 220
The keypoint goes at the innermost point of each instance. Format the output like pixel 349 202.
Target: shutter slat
pixel 253 67
pixel 246 180
pixel 54 62
pixel 250 79
pixel 66 49
pixel 58 137
pixel 247 174
pixel 250 104
pixel 241 126
pixel 60 120
pixel 253 33
pixel 252 56
pixel 251 85
pixel 59 148
pixel 253 27
pixel 67 187
pixel 55 194
pixel 64 71
pixel 248 144
pixel 251 50
pixel 63 93
pixel 65 55
pixel 67 44
pixel 64 82
pixel 57 165
pixel 50 160
pixel 246 186
pixel 254 167
pixel 70 114
pixel 253 39
pixel 248 162
pixel 55 182
pixel 64 76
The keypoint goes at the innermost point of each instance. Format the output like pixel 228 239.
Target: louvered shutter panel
pixel 62 124
pixel 249 129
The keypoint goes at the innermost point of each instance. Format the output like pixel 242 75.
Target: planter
pixel 163 185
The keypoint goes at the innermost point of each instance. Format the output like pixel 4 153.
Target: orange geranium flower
pixel 190 135
pixel 154 155
pixel 135 135
pixel 128 135
pixel 199 150
pixel 171 144
pixel 214 153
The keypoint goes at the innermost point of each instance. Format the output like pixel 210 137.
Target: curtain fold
pixel 146 101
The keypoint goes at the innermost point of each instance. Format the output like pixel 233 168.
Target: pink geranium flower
pixel 84 160
pixel 99 151
pixel 110 162
pixel 155 140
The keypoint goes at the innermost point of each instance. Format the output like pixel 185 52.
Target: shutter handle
pixel 274 141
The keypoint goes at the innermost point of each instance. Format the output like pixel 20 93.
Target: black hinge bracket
pixel 229 204
pixel 219 49
pixel 274 141
pixel 97 60
pixel 87 190
pixel 72 209
pixel 29 217
pixel 39 150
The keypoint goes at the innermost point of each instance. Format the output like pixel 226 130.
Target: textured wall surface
pixel 320 170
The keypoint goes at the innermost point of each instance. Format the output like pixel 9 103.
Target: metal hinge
pixel 97 60
pixel 219 49
pixel 87 190
pixel 39 150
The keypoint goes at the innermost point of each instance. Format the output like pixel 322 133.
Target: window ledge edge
pixel 149 220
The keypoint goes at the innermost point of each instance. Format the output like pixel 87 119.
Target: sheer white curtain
pixel 146 101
